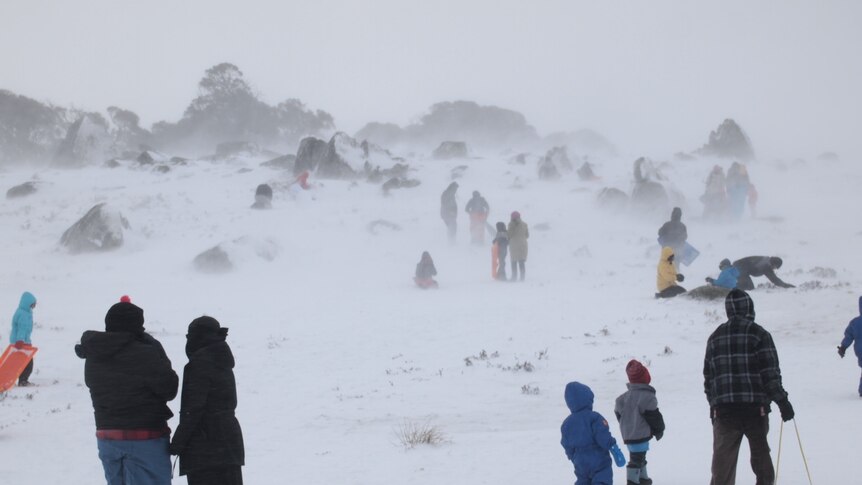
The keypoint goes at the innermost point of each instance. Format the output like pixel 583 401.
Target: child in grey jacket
pixel 640 420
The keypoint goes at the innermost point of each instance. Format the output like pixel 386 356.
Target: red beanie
pixel 637 373
pixel 125 299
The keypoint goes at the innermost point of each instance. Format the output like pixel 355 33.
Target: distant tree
pixel 28 129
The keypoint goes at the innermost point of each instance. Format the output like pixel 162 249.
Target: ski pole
pixel 804 460
pixel 778 459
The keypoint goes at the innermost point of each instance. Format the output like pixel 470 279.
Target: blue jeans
pixel 136 462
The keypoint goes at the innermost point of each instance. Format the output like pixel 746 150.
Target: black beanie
pixel 124 317
pixel 204 331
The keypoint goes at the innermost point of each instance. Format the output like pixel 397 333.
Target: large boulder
pixel 728 141
pixel 227 255
pixel 213 260
pixel 262 197
pixel 21 190
pixel 343 157
pixel 87 140
pixel 448 150
pixel 101 229
pixel 649 195
pixel 612 200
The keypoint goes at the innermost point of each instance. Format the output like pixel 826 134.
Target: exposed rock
pixel 828 157
pixel 213 260
pixel 284 162
pixel 448 150
pixel 112 163
pixel 520 159
pixel 262 197
pixel 548 170
pixel 648 195
pixel 728 141
pixel 613 200
pixel 585 172
pixel 21 190
pixel 86 140
pixel 100 229
pixel 582 141
pixel 559 156
pixel 312 151
pixel 162 169
pixel 399 183
pixel 152 157
pixel 236 148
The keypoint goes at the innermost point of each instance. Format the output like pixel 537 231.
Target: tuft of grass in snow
pixel 412 434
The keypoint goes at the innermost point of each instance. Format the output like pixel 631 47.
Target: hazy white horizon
pixel 653 77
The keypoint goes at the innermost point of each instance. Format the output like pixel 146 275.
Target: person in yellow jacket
pixel 667 277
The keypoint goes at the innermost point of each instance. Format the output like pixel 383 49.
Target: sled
pixel 495 262
pixel 689 254
pixel 12 364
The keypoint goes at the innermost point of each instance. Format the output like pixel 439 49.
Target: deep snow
pixel 336 348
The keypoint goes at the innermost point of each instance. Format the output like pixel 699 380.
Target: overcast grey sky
pixel 653 76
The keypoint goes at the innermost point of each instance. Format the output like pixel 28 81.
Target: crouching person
pixel 130 380
pixel 208 439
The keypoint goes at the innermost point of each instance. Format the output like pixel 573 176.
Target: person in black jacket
pixel 673 233
pixel 208 439
pixel 449 210
pixel 130 380
pixel 758 266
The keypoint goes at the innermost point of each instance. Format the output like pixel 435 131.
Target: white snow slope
pixel 336 349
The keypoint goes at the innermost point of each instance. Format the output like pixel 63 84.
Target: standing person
pixel 130 380
pixel 738 187
pixel 667 277
pixel 449 210
pixel 673 233
pixel 478 209
pixel 425 272
pixel 502 242
pixel 714 197
pixel 637 412
pixel 741 377
pixel 208 439
pixel 22 328
pixel 852 334
pixel 587 439
pixel 519 232
pixel 759 266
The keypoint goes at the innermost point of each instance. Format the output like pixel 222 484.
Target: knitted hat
pixel 637 373
pixel 516 215
pixel 124 317
pixel 125 299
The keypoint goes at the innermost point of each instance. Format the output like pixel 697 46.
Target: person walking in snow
pixel 587 440
pixel 22 329
pixel 741 377
pixel 667 277
pixel 727 278
pixel 853 335
pixel 425 272
pixel 208 439
pixel 640 420
pixel 673 233
pixel 502 242
pixel 449 210
pixel 738 187
pixel 759 266
pixel 478 209
pixel 131 381
pixel 714 197
pixel 519 232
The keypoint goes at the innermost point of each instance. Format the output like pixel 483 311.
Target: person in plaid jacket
pixel 741 378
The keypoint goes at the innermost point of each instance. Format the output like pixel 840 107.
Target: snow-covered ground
pixel 336 349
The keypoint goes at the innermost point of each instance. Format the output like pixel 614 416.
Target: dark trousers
pixel 229 475
pixel 670 292
pixel 744 282
pixel 727 433
pixel 515 266
pixel 25 375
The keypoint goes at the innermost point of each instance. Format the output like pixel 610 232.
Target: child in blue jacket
pixel 587 439
pixel 727 278
pixel 854 333
pixel 22 327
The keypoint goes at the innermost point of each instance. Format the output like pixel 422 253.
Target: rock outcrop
pixel 101 229
pixel 728 141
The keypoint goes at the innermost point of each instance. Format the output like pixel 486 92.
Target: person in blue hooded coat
pixel 587 438
pixel 852 334
pixel 727 278
pixel 22 328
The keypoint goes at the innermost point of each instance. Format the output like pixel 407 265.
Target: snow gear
pixel 666 276
pixel 22 329
pixel 449 210
pixel 714 197
pixel 478 209
pixel 738 188
pixel 16 363
pixel 519 232
pixel 501 246
pixel 853 335
pixel 425 272
pixel 758 266
pixel 741 377
pixel 209 435
pixel 586 437
pixel 727 278
pixel 130 380
pixel 640 419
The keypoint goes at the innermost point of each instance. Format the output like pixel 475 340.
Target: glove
pixel 659 435
pixel 710 280
pixel 841 351
pixel 20 344
pixel 619 458
pixel 680 277
pixel 176 449
pixel 786 410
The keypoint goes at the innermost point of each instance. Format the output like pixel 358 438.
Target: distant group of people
pixel 672 237
pixel 741 378
pixel 725 195
pixel 509 241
